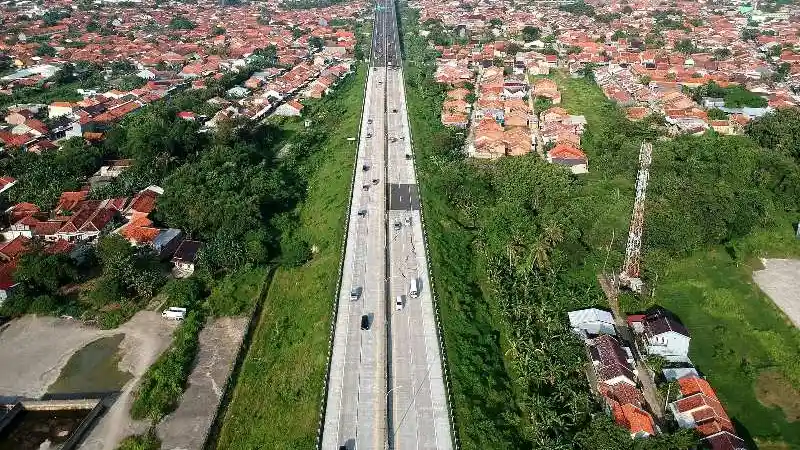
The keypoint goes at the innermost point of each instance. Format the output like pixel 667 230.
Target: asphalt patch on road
pixel 403 197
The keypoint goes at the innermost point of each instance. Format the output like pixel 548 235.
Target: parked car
pixel 174 313
pixel 355 293
pixel 408 155
pixel 398 225
pixel 365 322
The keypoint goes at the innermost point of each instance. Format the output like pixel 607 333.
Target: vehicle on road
pixel 398 225
pixel 365 187
pixel 374 181
pixel 408 155
pixel 393 139
pixel 362 212
pixel 365 167
pixel 355 293
pixel 413 290
pixel 369 135
pixel 394 110
pixel 174 313
pixel 369 120
pixel 399 301
pixel 365 322
pixel 408 220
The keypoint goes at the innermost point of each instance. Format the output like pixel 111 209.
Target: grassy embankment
pixel 738 335
pixel 276 400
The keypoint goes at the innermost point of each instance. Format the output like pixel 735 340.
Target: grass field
pixel 738 334
pixel 276 401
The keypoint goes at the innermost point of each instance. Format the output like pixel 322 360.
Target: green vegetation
pixel 516 243
pixel 148 441
pixel 237 293
pixel 285 365
pixel 735 95
pixel 779 130
pixel 161 387
pixel 181 23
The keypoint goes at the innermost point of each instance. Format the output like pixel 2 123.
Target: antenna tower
pixel 629 277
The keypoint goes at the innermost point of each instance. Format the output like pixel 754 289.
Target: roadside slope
pixel 276 400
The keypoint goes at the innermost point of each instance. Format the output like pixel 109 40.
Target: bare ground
pixel 187 427
pixel 780 280
pixel 34 350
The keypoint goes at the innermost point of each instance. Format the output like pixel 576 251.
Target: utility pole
pixel 631 269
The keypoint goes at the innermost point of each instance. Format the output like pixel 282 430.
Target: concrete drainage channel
pixel 47 423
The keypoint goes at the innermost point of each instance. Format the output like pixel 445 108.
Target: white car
pixel 399 302
pixel 174 313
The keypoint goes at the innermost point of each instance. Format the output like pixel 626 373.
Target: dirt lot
pixel 35 349
pixel 780 280
pixel 187 427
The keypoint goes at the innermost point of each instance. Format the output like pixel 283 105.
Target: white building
pixel 591 321
pixel 665 336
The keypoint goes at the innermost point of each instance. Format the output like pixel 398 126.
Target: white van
pixel 413 290
pixel 174 313
pixel 399 301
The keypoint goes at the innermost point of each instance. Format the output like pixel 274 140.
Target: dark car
pixel 374 181
pixel 365 167
pixel 365 322
pixel 362 212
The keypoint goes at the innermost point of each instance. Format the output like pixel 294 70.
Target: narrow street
pixel 649 389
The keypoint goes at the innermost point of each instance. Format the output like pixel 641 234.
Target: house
pixel 638 421
pixel 612 363
pixel 570 156
pixel 185 257
pixel 291 108
pixel 699 408
pixel 6 183
pixel 663 335
pixel 7 282
pixel 724 441
pixel 10 250
pixel 591 321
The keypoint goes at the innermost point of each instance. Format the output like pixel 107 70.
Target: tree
pixel 496 23
pixel 685 46
pixel 717 114
pixel 530 33
pixel 627 9
pixel 45 273
pixel 722 53
pixel 181 23
pixel 778 131
pixel 45 50
pixel 316 43
pixel 749 34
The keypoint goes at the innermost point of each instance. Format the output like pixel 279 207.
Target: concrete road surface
pixel 356 407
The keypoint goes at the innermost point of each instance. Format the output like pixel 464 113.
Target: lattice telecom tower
pixel 629 277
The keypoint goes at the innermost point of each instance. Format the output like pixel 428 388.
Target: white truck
pixel 413 290
pixel 174 313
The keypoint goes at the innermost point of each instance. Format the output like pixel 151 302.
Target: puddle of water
pixel 93 368
pixel 39 430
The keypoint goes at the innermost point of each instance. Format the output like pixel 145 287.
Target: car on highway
pixel 369 135
pixel 398 225
pixel 413 289
pixel 369 120
pixel 365 187
pixel 355 293
pixel 362 213
pixel 365 322
pixel 399 301
pixel 393 139
pixel 374 181
pixel 365 167
pixel 408 220
pixel 394 110
pixel 408 155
